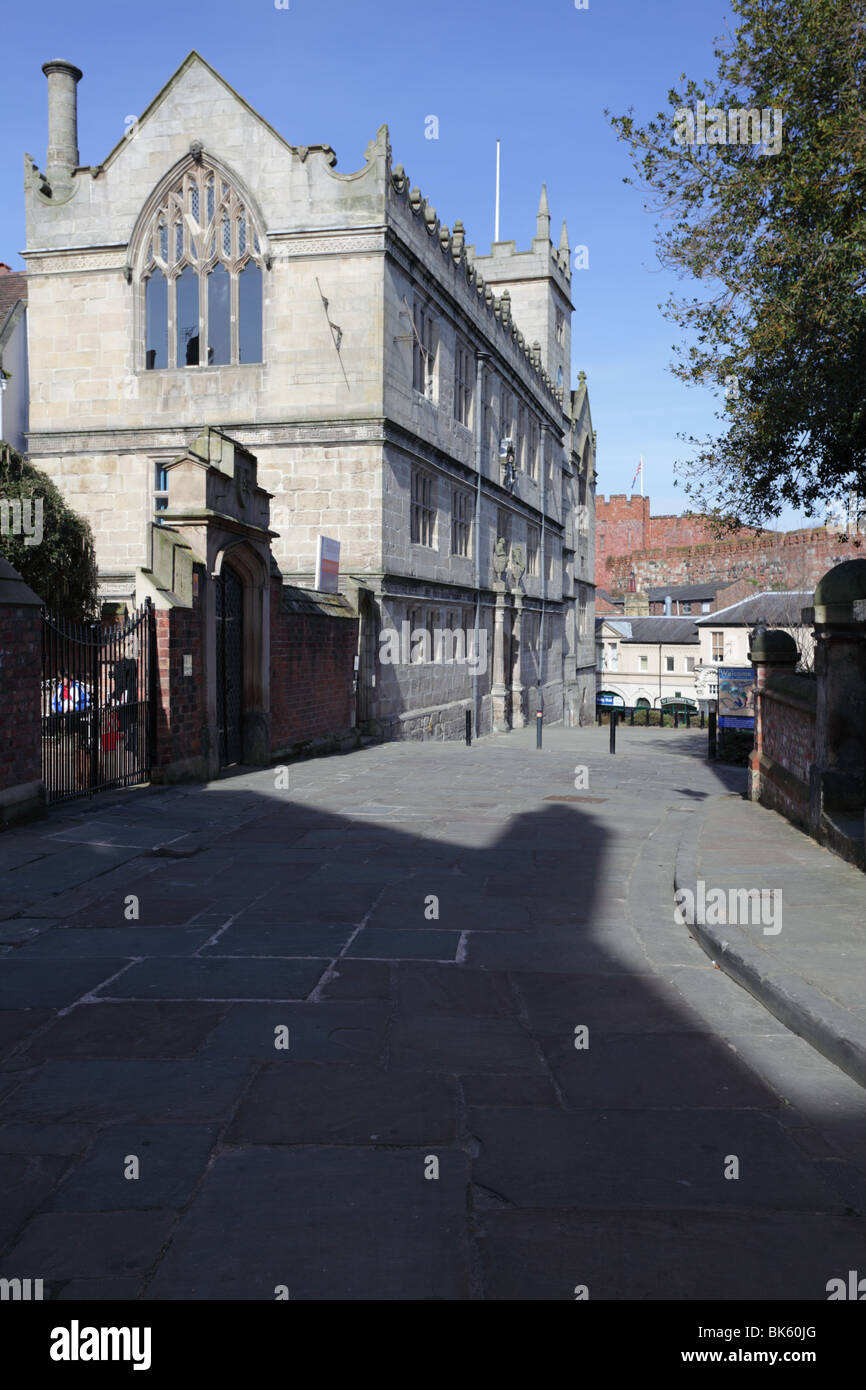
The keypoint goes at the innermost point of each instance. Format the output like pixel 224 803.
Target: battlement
pixel 453 247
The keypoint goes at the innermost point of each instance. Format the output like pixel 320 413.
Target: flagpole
pixel 496 221
pixel 641 475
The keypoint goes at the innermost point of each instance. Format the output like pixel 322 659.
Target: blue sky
pixel 537 76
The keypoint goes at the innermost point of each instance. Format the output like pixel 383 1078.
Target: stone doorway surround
pixel 220 515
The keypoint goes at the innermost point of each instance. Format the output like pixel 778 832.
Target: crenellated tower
pixel 539 284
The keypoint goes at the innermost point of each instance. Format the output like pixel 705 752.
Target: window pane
pixel 210 201
pixel 163 239
pixel 219 347
pixel 193 200
pixel 156 314
pixel 242 234
pixel 187 318
pixel 227 234
pixel 250 313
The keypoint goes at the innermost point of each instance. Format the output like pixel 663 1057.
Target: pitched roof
pixel 772 608
pixel 699 593
pixel 13 287
pixel 660 629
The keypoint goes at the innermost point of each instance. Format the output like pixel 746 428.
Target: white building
pixel 14 389
pixel 647 662
pixel 724 635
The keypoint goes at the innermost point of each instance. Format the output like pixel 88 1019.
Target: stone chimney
pixel 62 158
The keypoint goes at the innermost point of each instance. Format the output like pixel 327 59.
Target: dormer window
pixel 201 274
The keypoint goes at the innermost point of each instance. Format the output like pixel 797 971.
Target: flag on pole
pixel 638 474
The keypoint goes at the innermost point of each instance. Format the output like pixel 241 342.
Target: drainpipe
pixel 480 359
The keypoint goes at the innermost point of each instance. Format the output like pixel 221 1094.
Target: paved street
pixel 420 1026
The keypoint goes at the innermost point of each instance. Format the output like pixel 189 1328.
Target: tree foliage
pixel 775 243
pixel 61 566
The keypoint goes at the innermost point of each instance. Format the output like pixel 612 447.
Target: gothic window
pixel 202 276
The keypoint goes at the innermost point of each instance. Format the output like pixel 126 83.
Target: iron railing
pixel 97 703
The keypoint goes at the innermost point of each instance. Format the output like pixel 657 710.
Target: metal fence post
pixel 613 717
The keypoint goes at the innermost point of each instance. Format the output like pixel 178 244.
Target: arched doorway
pixel 230 665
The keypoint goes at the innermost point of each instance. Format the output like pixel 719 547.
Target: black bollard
pixel 539 722
pixel 613 731
pixel 468 728
pixel 711 741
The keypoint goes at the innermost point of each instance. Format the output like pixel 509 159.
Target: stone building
pixel 401 394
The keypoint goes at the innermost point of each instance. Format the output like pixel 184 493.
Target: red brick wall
pixel 783 560
pixel 312 675
pixel 20 685
pixel 623 526
pixel 784 748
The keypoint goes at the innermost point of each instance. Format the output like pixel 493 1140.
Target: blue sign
pixel 736 697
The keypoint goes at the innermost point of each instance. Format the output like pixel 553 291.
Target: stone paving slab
pixel 76 943
pixel 132 1029
pixel 225 977
pixel 641 1158
pixel 669 1255
pixel 321 1031
pixel 90 1245
pixel 53 983
pixel 171 1160
pixel 311 1103
pixel 107 1091
pixel 353 1223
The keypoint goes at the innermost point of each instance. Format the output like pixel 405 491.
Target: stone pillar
pixel 838 780
pixel 518 714
pixel 22 792
pixel 498 688
pixel 769 650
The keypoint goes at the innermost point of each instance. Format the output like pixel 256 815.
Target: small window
pixel 532 460
pixel 160 487
pixel 461 504
pixel 463 371
pixel 423 510
pixel 643 663
pixel 718 646
pixel 690 665
pixel 601 540
pixel 705 606
pixel 503 527
pixel 560 325
pixel 424 352
pixel 533 536
pixel 669 663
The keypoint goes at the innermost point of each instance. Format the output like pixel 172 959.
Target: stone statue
pixel 500 559
pixel 518 568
